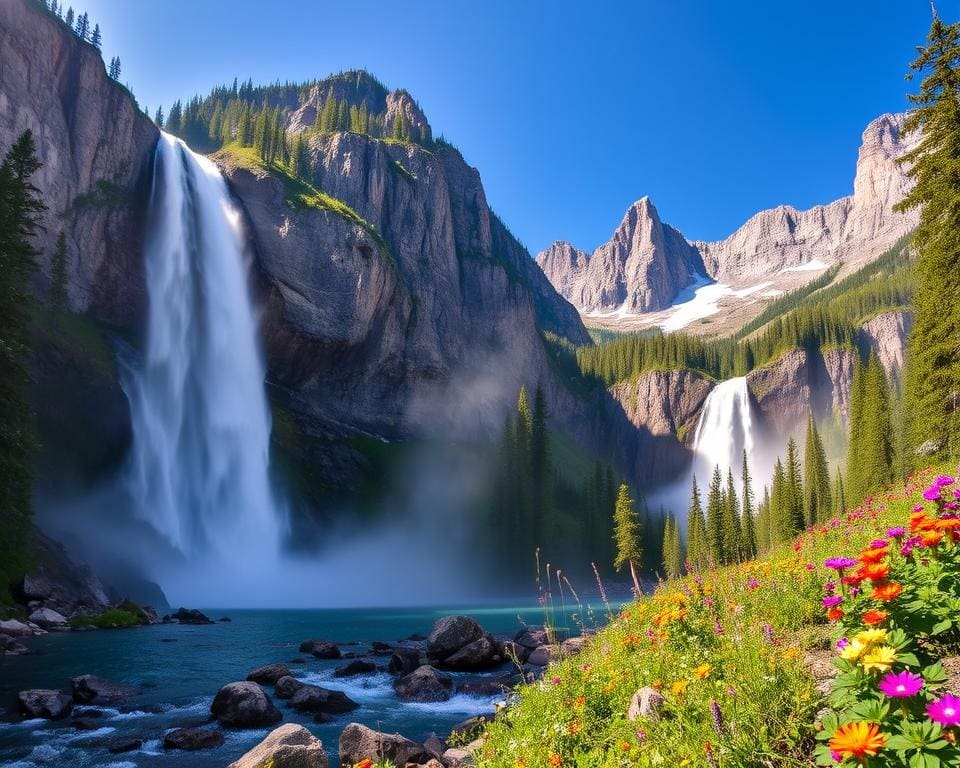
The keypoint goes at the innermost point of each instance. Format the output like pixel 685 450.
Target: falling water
pixel 201 425
pixel 725 430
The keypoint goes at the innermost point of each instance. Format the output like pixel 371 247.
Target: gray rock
pixel 572 645
pixel 90 689
pixel 313 698
pixel 49 619
pixel 269 674
pixel 450 634
pixel 124 744
pixel 188 616
pixel 403 661
pixel 289 746
pixel 646 703
pixel 191 739
pixel 543 655
pixel 531 637
pixel 482 653
pixel 358 667
pixel 425 684
pixel 286 687
pixel 15 628
pixel 322 649
pixel 458 757
pixel 46 703
pixel 10 647
pixel 244 705
pixel 357 742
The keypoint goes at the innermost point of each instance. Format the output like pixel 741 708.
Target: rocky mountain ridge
pixel 636 275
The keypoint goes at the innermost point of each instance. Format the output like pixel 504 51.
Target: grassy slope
pixel 735 636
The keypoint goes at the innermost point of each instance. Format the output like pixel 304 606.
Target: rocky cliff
pixel 886 334
pixel 96 147
pixel 646 263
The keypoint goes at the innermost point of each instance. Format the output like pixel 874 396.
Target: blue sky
pixel 573 110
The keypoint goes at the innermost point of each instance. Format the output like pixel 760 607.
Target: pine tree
pixel 244 128
pixel 627 535
pixel 68 20
pixel 779 513
pixel 297 158
pixel 672 548
pixel 816 477
pixel 839 497
pixel 540 465
pixel 876 453
pixel 83 26
pixel 748 525
pixel 764 521
pixel 933 357
pixel 715 507
pixel 524 426
pixel 175 118
pixel 855 431
pixel 95 38
pixel 698 550
pixel 158 118
pixel 733 547
pixel 794 518
pixel 20 208
pixel 59 297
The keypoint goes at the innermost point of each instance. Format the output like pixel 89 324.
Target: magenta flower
pixel 942 481
pixel 932 493
pixel 832 601
pixel 879 543
pixel 842 643
pixel 556 681
pixel 753 584
pixel 918 507
pixel 839 563
pixel 896 533
pixel 945 710
pixel 901 685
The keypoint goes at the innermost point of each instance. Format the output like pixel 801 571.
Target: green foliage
pixel 120 617
pixel 933 367
pixel 672 549
pixel 627 535
pixel 871 448
pixel 698 546
pixel 748 521
pixel 818 503
pixel 58 275
pixel 103 194
pixel 20 208
pixel 789 301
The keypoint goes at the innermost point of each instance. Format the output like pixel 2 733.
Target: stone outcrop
pixel 357 742
pixel 646 263
pixel 424 684
pixel 45 703
pixel 192 739
pixel 886 335
pixel 289 746
pixel 244 705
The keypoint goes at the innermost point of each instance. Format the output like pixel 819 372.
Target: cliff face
pixel 96 148
pixel 640 269
pixel 886 334
pixel 647 263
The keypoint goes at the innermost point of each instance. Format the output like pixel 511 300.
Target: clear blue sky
pixel 572 110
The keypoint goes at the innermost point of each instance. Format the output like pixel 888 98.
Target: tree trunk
pixel 636 581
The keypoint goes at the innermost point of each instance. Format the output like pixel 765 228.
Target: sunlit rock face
pixel 647 263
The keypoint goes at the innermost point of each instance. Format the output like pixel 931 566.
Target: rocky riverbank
pixel 458 658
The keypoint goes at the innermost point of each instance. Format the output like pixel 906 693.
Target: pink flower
pixel 842 643
pixel 918 507
pixel 945 710
pixel 839 563
pixel 879 543
pixel 896 533
pixel 832 601
pixel 901 685
pixel 932 493
pixel 753 584
pixel 942 481
pixel 556 681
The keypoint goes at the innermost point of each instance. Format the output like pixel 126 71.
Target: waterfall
pixel 724 431
pixel 199 469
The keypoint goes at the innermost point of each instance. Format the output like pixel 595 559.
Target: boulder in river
pixel 322 649
pixel 289 746
pixel 403 661
pixel 357 742
pixel 45 702
pixel 532 637
pixel 11 647
pixel 285 687
pixel 481 653
pixel 313 698
pixel 124 744
pixel 269 674
pixel 192 739
pixel 424 684
pixel 244 705
pixel 187 616
pixel 15 628
pixel 90 689
pixel 49 619
pixel 358 667
pixel 450 634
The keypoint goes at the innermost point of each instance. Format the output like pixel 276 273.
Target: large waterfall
pixel 201 425
pixel 724 431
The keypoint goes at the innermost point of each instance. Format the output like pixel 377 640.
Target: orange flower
pixel 365 763
pixel 875 571
pixel 886 591
pixel 872 556
pixel 919 521
pixel 834 613
pixel 873 616
pixel 931 538
pixel 702 672
pixel 555 759
pixel 948 524
pixel 858 740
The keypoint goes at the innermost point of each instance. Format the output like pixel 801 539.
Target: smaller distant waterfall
pixel 725 431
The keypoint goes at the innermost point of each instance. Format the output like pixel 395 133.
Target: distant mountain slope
pixel 631 280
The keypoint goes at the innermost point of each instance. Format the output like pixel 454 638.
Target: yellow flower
pixel 854 650
pixel 880 658
pixel 872 636
pixel 702 672
pixel 679 687
pixel 791 653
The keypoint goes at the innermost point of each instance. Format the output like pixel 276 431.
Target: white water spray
pixel 201 425
pixel 724 431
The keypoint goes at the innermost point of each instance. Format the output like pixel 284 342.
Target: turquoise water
pixel 179 668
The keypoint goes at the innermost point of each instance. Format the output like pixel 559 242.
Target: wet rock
pixel 225 620
pixel 269 674
pixel 84 725
pixel 469 728
pixel 424 684
pixel 490 687
pixel 244 705
pixel 543 655
pixel 435 747
pixel 403 661
pixel 187 616
pixel 357 742
pixel 10 647
pixel 191 739
pixel 313 698
pixel 358 667
pixel 381 649
pixel 532 637
pixel 15 628
pixel 482 653
pixel 87 713
pixel 298 660
pixel 286 687
pixel 646 703
pixel 49 619
pixel 450 634
pixel 90 689
pixel 126 744
pixel 45 702
pixel 322 649
pixel 289 746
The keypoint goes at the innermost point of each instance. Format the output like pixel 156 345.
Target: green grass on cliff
pixel 731 651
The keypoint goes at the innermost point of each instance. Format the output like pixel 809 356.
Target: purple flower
pixel 718 724
pixel 753 584
pixel 708 602
pixel 901 685
pixel 717 628
pixel 832 601
pixel 768 633
pixel 842 643
pixel 945 710
pixel 896 533
pixel 839 563
pixel 829 586
pixel 932 493
pixel 942 481
pixel 918 507
pixel 879 543
pixel 556 681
